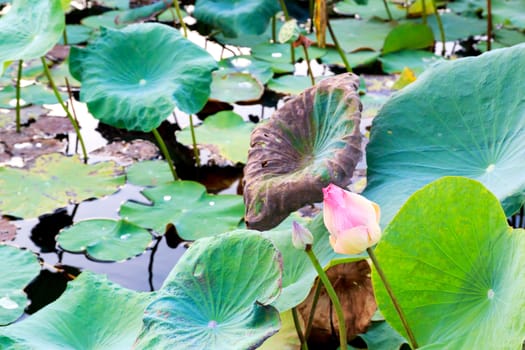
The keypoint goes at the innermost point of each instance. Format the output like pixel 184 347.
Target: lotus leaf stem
pixel 308 66
pixel 304 345
pixel 194 142
pixel 440 26
pixel 338 47
pixel 333 297
pixel 70 94
pixel 489 25
pixel 315 300
pixel 389 14
pixel 179 16
pixel 388 288
pixel 274 29
pixel 166 153
pixel 18 79
pixel 64 107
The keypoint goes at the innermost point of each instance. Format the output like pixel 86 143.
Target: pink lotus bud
pixel 351 219
pixel 301 236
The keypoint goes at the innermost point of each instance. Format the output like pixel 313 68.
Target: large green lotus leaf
pixel 509 12
pixel 456 268
pixel 291 84
pixel 231 86
pixel 234 17
pixel 456 27
pixel 478 133
pixel 32 94
pixel 217 296
pixel 407 36
pixel 311 141
pixel 416 60
pixel 18 267
pixel 353 34
pixel 246 64
pixel 126 86
pixel 93 313
pixel 105 239
pixel 370 10
pixel 227 131
pixel 30 29
pixel 149 173
pixel 50 183
pixel 186 205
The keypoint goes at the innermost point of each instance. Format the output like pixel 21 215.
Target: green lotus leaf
pixel 149 173
pixel 354 35
pixel 217 296
pixel 227 131
pixel 311 141
pixel 292 84
pixel 30 29
pixel 77 34
pixel 246 64
pixel 59 74
pixel 416 60
pixel 105 239
pixel 456 268
pixel 93 313
pixel 477 132
pixel 18 267
pixel 235 18
pixel 408 36
pixel 381 336
pixel 107 19
pixel 368 11
pixel 140 91
pixel 456 27
pixel 279 55
pixel 510 13
pixel 186 205
pixel 31 94
pixel 231 86
pixel 356 59
pixel 49 184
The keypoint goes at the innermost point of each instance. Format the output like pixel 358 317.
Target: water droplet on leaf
pixel 8 303
pixel 167 198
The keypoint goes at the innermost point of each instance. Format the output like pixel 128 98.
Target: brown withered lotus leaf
pixel 353 285
pixel 311 141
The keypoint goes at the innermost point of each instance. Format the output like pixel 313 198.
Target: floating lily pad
pixel 227 131
pixel 408 36
pixel 217 295
pixel 18 267
pixel 477 132
pixel 246 64
pixel 105 239
pixel 107 19
pixel 353 34
pixel 235 18
pixel 186 205
pixel 291 84
pixel 32 94
pixel 459 276
pixel 370 10
pixel 93 313
pixel 456 27
pixel 355 59
pixel 30 29
pixel 311 141
pixel 416 60
pixel 77 34
pixel 279 55
pixel 149 173
pixel 49 184
pixel 231 86
pixel 142 90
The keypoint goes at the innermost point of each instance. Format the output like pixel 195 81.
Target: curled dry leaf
pixel 311 141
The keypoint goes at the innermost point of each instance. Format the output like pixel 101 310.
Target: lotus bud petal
pixel 301 236
pixel 351 219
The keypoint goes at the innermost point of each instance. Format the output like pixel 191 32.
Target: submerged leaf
pixel 217 296
pixel 127 86
pixel 311 141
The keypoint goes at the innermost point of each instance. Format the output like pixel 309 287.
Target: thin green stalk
pixel 18 79
pixel 390 18
pixel 298 329
pixel 489 25
pixel 194 142
pixel 424 7
pixel 315 300
pixel 309 67
pixel 333 297
pixel 179 16
pixel 311 9
pixel 165 152
pixel 440 25
pixel 388 288
pixel 64 107
pixel 274 29
pixel 338 47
